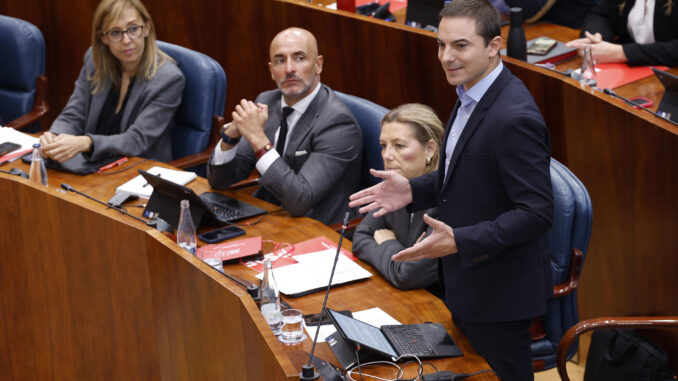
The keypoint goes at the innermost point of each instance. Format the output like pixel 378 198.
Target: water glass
pixel 211 256
pixel 292 330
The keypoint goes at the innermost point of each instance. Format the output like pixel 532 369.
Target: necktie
pixel 282 135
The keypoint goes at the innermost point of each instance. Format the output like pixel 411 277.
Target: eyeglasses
pixel 133 33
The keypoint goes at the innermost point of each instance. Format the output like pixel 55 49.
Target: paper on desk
pixel 8 134
pixel 374 316
pixel 312 272
pixel 137 185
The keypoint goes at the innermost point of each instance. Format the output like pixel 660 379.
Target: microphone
pixel 611 92
pixel 308 373
pixel 71 189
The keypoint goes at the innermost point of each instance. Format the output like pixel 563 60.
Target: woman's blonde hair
pixel 423 121
pixel 106 66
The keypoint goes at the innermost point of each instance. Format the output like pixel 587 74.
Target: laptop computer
pixel 427 340
pixel 669 102
pixel 209 208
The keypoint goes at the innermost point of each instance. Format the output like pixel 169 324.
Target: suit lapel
pixel 132 101
pixel 446 135
pixel 98 101
pixel 475 119
pixel 274 118
pixel 305 124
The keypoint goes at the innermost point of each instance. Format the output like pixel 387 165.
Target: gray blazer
pixel 146 122
pixel 321 165
pixel 404 275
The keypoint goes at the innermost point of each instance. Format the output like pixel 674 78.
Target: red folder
pixel 613 75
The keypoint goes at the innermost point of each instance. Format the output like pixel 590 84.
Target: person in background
pixel 570 13
pixel 410 140
pixel 300 137
pixel 638 32
pixel 126 95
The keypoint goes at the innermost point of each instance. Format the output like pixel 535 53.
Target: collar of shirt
pixel 475 93
pixel 299 110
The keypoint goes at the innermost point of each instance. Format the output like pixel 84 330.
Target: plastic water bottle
pixel 516 46
pixel 38 173
pixel 269 298
pixel 186 230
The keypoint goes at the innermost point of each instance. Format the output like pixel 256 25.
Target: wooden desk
pixel 627 158
pixel 89 293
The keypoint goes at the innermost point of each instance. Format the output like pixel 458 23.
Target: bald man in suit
pixel 301 138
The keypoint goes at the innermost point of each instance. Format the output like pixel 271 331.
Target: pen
pixel 113 164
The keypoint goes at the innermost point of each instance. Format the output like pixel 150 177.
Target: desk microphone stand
pixel 309 373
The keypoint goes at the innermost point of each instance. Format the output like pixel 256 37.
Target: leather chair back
pixel 571 230
pixel 369 115
pixel 203 97
pixel 23 52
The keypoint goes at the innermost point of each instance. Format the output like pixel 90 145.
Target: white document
pixel 139 187
pixel 313 272
pixel 374 316
pixel 8 134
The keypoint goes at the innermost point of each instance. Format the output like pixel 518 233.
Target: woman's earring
pixel 428 161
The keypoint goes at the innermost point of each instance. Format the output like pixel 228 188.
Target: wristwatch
pixel 261 151
pixel 227 139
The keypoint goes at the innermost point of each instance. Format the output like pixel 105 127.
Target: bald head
pixel 299 36
pixel 295 64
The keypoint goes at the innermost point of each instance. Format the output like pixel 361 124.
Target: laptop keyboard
pixel 408 339
pixel 223 213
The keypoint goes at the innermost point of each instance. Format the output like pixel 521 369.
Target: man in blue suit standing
pixel 493 193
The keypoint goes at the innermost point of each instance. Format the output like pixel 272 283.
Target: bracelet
pixel 227 139
pixel 261 151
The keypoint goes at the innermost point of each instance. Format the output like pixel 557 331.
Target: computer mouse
pixel 18 172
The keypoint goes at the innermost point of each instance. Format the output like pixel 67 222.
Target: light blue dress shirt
pixel 469 99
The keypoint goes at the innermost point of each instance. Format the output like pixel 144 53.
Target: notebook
pixel 209 208
pixel 669 102
pixel 427 340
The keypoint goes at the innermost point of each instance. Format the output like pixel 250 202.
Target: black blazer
pixel 498 200
pixel 610 18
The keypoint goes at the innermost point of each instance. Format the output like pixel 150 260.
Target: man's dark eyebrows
pixel 453 42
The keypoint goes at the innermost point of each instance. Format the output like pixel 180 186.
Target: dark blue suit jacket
pixel 498 200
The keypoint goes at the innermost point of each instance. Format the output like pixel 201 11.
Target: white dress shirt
pixel 222 157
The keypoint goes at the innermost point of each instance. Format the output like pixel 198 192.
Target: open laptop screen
pixel 362 333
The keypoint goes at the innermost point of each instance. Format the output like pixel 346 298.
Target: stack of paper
pixel 138 185
pixel 312 272
pixel 8 134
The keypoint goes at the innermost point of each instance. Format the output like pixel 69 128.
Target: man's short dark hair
pixel 486 16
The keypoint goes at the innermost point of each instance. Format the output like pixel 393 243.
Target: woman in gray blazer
pixel 126 95
pixel 411 136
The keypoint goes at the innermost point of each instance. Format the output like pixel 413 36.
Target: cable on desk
pixel 399 374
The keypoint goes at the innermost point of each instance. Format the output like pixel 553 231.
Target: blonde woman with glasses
pixel 126 95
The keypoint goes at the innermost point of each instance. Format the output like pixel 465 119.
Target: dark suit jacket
pixel 321 167
pixel 146 125
pixel 610 20
pixel 404 275
pixel 499 202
